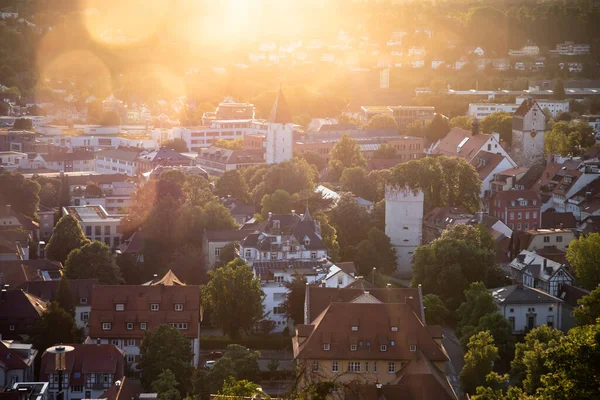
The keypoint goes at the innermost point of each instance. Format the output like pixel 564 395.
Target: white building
pixel 10 160
pixel 115 199
pixel 556 107
pixel 122 160
pixel 280 132
pixel 97 224
pixel 571 49
pixel 526 308
pixel 404 224
pixel 482 110
pixel 525 51
pixel 79 161
pixel 535 271
pixel 528 131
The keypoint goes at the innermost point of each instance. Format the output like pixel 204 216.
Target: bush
pixel 270 342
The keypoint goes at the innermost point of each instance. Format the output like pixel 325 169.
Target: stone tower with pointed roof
pixel 280 131
pixel 528 129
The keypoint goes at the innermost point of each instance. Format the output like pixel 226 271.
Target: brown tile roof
pixel 10 359
pixel 543 178
pixel 20 309
pixel 128 390
pixel 46 290
pixel 86 359
pixel 361 284
pixel 318 298
pixel 449 144
pixel 374 321
pixel 512 195
pixel 553 253
pixel 137 300
pixel 553 219
pixel 62 156
pixel 513 171
pixel 348 267
pixel 486 162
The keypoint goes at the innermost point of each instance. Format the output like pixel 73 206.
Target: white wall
pixel 541 311
pixel 279 143
pixel 404 224
pixel 485 184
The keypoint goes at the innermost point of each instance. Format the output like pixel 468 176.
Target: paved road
pixel 456 354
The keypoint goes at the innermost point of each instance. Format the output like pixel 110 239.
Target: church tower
pixel 280 131
pixel 528 129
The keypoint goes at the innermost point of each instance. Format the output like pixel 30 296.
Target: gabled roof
pixel 508 196
pixel 16 273
pixel 485 163
pixel 20 305
pixel 86 359
pixel 121 153
pixel 280 113
pixel 469 144
pixel 46 290
pixel 63 156
pixel 374 321
pixel 129 389
pixel 553 219
pixel 571 294
pixel 169 279
pixel 11 359
pixel 521 294
pixel 165 155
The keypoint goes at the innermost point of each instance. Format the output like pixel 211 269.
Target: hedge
pixel 253 342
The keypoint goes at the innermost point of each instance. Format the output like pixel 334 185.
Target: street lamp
pixel 60 364
pixel 373 278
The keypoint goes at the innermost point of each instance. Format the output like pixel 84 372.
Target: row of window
pixel 153 307
pixel 523 226
pixel 520 215
pixel 357 366
pixel 107 326
pixel 383 347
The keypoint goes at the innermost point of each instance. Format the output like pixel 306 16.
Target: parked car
pixel 215 355
pixel 209 364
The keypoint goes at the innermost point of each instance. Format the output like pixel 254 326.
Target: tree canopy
pixel 567 138
pixel 589 308
pixel 584 257
pixel 166 386
pixel 498 122
pixel 479 359
pixel 233 184
pixel 238 363
pixel 230 144
pixel 66 237
pixel 234 297
pixel 461 121
pixel 64 297
pixel 54 326
pixel 20 193
pixel 345 154
pixel 93 260
pixel 382 121
pixel 294 299
pixel 177 144
pixel 375 251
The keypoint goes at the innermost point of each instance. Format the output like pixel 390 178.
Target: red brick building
pixel 519 209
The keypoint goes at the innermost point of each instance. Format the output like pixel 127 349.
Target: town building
pixel 26 391
pixel 121 315
pixel 482 110
pixel 539 239
pixel 90 369
pixel 97 224
pixel 19 141
pixel 216 161
pixel 161 157
pixel 526 308
pixel 17 362
pixel 81 291
pixel 518 209
pixel 16 273
pixel 555 107
pixel 528 131
pixel 571 49
pixel 122 160
pixel 593 121
pixel 19 310
pixel 488 165
pixel 280 132
pixel 372 340
pixel 536 271
pixel 407 115
pixel 214 241
pixel 240 211
pixel 115 199
pixel 530 50
pixel 404 224
pixel 508 180
pixel 10 160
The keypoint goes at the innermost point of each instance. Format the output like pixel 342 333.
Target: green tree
pixel 178 145
pixel 242 388
pixel 233 184
pixel 22 124
pixel 66 237
pixel 314 159
pixel 385 151
pixel 279 202
pixel 438 128
pixel 20 193
pixel 64 192
pixel 54 326
pixel 217 216
pixel 110 118
pixel 494 389
pixel 230 144
pixel 351 222
pixel 93 190
pixel 166 386
pixel 589 308
pixel 294 299
pixel 375 251
pixel 436 312
pixel 528 365
pixel 345 154
pixel 355 180
pixel 498 122
pixel 446 266
pixel 567 138
pixel 48 195
pixel 238 362
pixel 165 348
pixel 559 90
pixel 461 121
pixel 479 360
pixel 584 257
pixel 64 297
pixel 234 297
pixel 93 260
pixel 478 303
pixel 382 121
pixel 228 253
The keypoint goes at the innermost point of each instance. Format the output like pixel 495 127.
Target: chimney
pixel 545 263
pixel 475 127
pixel 8 209
pixel 323 283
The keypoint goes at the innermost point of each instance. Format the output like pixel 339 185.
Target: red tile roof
pixel 129 389
pixel 137 300
pixel 513 195
pixel 87 359
pixel 449 144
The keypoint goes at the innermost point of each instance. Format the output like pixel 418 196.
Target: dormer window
pixel 306 241
pixel 353 347
pixel 154 307
pixel 383 347
pixel 326 347
pixel 119 307
pixel 512 203
pixel 83 300
pixel 523 202
pixel 534 202
pixel 394 329
pixel 179 307
pixel 354 328
pixel 413 347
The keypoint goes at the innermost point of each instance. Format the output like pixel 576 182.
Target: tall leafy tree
pixel 567 138
pixel 54 326
pixel 436 312
pixel 234 297
pixel 345 154
pixel 64 297
pixel 584 257
pixel 64 192
pixel 382 121
pixel 385 151
pixel 94 260
pixel 294 299
pixel 461 121
pixel 279 202
pixel 66 237
pixel 165 348
pixel 478 303
pixel 479 360
pixel 238 363
pixel 357 181
pixel 240 388
pixel 498 122
pixel 559 90
pixel 233 184
pixel 588 311
pixel 438 128
pixel 20 193
pixel 351 222
pixel 375 251
pixel 166 386
pixel 176 144
pixel 217 216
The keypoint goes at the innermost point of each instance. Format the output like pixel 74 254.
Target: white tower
pixel 528 126
pixel 280 138
pixel 404 224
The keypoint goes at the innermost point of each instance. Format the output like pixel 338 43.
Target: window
pixel 512 310
pixel 535 214
pixel 154 307
pixel 394 329
pixel 526 225
pixel 120 307
pixel 326 347
pixel 354 366
pixel 278 310
pixel 130 326
pixel 313 255
pixel 335 366
pixel 278 279
pixel 315 366
pixel 178 307
pixel 366 366
pixel 519 215
pixel 511 321
pixel 88 231
pixel 143 326
pixel 527 215
pixel 84 316
pixel 116 342
pixel 130 342
pixel 179 325
pixel 550 309
pixel 273 255
pixel 83 300
pixel 383 347
pixel 352 347
pixel 217 251
pixel 354 328
pixel 550 321
pixel 546 239
pixel 11 327
pixel 559 239
pixel 248 253
pixel 130 358
pixel 512 215
pixel 519 226
pixel 76 388
pixel 107 230
pixel 97 230
pixel 106 326
pixel 413 347
pixel 391 367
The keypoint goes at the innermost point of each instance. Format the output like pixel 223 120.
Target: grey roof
pixel 237 207
pixel 571 294
pixel 121 153
pixel 166 155
pixel 520 294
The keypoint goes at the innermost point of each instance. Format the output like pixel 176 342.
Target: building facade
pixel 528 131
pixel 97 224
pixel 518 209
